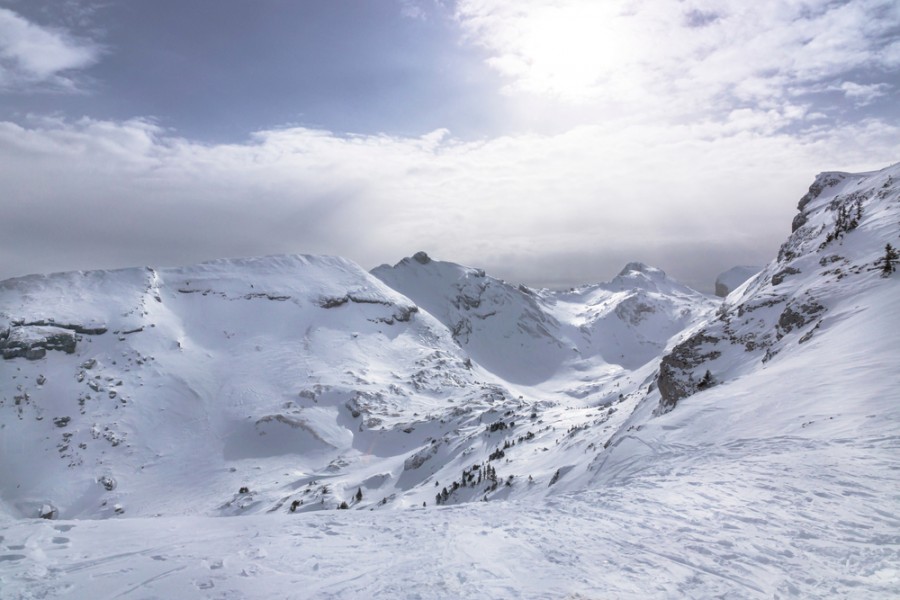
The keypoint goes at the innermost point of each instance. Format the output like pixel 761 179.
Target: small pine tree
pixel 889 260
pixel 359 494
pixel 706 382
pixel 344 505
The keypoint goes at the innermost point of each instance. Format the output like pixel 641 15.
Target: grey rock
pixel 779 277
pixel 33 341
pixel 675 379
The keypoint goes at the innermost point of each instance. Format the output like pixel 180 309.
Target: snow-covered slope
pixel 266 373
pixel 831 260
pixel 528 336
pixel 625 471
pixel 505 328
pixel 630 320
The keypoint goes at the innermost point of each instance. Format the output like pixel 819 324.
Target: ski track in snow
pixel 691 524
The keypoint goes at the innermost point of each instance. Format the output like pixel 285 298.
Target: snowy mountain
pixel 642 439
pixel 202 380
pixel 527 336
pixel 731 279
pixel 505 328
pixel 302 379
pixel 829 263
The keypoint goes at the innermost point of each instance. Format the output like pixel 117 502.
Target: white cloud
pixel 31 55
pixel 863 94
pixel 546 209
pixel 663 57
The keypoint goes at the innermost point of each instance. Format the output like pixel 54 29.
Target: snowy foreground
pixel 726 528
pixel 191 433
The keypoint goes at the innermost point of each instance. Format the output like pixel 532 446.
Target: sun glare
pixel 570 51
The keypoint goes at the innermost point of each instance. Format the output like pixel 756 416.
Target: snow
pixel 304 379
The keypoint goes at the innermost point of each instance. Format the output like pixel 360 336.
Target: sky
pixel 547 141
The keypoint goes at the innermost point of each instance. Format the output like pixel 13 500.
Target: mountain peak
pixel 641 268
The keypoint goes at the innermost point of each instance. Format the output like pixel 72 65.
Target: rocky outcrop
pixel 676 378
pixel 822 182
pixel 401 313
pixel 33 341
pixel 75 327
pixel 797 315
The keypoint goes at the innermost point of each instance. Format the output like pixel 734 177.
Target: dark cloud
pixel 699 18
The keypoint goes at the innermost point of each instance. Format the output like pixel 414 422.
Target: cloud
pixel 35 57
pixel 675 58
pixel 543 209
pixel 863 94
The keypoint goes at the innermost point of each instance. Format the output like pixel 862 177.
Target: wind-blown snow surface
pixel 152 396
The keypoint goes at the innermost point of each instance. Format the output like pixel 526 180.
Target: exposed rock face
pixel 797 315
pixel 401 313
pixel 729 280
pixel 822 182
pixel 676 379
pixel 33 341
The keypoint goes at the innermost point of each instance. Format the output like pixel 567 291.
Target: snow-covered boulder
pixel 32 342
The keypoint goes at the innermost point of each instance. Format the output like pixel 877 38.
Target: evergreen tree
pixel 706 382
pixel 359 494
pixel 888 261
